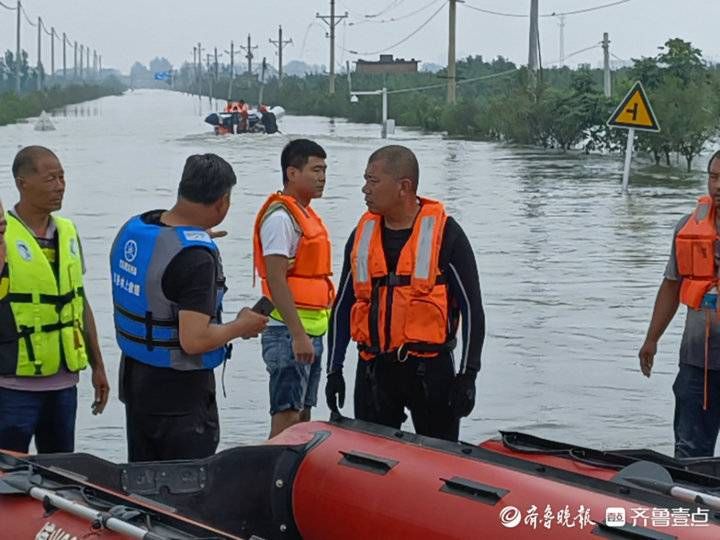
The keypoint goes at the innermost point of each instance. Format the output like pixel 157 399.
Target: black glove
pixel 335 391
pixel 462 394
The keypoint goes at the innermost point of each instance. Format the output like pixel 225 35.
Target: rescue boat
pixel 354 480
pixel 238 118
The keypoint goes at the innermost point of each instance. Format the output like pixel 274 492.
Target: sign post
pixel 634 112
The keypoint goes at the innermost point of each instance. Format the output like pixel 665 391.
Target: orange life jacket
pixel 695 253
pixel 405 311
pixel 309 273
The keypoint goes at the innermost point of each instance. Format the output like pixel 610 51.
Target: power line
pixel 463 81
pixel 586 10
pixel 423 25
pixel 8 7
pixel 394 19
pixel 393 4
pixel 553 14
pixel 27 17
pixel 575 53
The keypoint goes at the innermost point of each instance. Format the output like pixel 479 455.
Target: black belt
pixel 409 348
pixel 152 343
pixel 58 300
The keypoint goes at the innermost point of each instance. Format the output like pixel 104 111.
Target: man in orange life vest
pixel 292 256
pixel 691 278
pixel 409 276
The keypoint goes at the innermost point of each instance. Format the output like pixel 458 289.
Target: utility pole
pixel 210 79
pixel 533 55
pixel 82 58
pixel 249 55
pixel 64 56
pixel 452 80
pixel 332 21
pixel 52 51
pixel 87 60
pixel 216 65
pixel 232 52
pixel 95 63
pixel 39 59
pixel 562 40
pixel 607 84
pixel 99 63
pixel 17 50
pixel 75 61
pixel 279 44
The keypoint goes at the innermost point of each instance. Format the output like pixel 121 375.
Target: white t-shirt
pixel 279 234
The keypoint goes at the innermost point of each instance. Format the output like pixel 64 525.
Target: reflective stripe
pixel 701 212
pixel 424 249
pixel 363 259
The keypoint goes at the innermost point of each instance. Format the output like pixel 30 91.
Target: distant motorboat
pixel 44 123
pixel 239 118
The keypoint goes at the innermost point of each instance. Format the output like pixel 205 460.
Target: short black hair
pixel 715 156
pixel 400 162
pixel 206 178
pixel 25 160
pixel 297 153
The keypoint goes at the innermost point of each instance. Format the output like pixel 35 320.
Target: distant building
pixel 387 64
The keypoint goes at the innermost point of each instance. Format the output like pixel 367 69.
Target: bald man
pixel 47 329
pixel 408 278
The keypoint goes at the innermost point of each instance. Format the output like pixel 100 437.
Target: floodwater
pixel 568 265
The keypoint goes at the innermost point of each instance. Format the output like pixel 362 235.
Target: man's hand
pixel 462 394
pixel 335 391
pixel 647 357
pixel 102 389
pixel 303 348
pixel 250 323
pixel 216 234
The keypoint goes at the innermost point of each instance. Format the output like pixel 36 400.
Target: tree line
pixel 563 108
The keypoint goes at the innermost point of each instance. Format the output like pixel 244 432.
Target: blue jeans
pixel 49 416
pixel 696 430
pixel 292 385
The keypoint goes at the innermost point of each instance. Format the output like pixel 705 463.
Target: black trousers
pixel 384 387
pixel 162 437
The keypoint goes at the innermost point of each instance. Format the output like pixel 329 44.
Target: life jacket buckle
pixel 402 354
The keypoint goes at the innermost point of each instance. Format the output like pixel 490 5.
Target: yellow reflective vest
pixel 47 311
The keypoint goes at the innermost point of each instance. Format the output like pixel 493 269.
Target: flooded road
pixel 569 266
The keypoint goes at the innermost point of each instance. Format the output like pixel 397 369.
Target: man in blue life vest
pixel 47 328
pixel 168 285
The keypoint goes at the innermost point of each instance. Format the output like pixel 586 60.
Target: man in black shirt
pixel 168 285
pixel 408 278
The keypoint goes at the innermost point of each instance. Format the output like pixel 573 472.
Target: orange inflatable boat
pixel 353 480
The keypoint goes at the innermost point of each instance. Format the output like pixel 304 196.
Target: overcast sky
pixel 124 31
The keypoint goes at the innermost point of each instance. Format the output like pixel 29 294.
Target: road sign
pixel 635 111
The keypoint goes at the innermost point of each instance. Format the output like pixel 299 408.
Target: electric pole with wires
pixel 452 79
pixel 249 53
pixel 332 21
pixel 533 49
pixel 280 43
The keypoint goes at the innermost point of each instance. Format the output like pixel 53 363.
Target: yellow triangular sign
pixel 635 111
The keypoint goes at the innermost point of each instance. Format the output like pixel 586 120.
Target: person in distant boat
pixel 408 277
pixel 292 256
pixel 244 111
pixel 691 278
pixel 167 286
pixel 47 328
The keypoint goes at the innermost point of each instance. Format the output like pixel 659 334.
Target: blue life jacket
pixel 146 321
